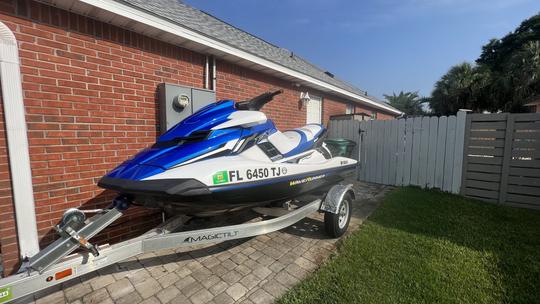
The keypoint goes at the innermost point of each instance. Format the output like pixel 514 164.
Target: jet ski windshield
pixel 200 122
pixel 256 103
pixel 176 141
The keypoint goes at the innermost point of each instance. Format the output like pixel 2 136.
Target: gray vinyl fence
pixel 421 151
pixel 492 157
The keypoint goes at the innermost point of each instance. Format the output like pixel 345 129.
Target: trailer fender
pixel 334 197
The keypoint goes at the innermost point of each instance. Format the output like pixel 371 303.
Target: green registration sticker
pixel 220 177
pixel 5 294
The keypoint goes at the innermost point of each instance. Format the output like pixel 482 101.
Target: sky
pixel 381 46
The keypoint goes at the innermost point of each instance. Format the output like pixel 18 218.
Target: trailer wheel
pixel 337 224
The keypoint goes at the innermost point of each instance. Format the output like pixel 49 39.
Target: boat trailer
pixel 54 265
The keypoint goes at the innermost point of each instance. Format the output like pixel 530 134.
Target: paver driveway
pixel 254 270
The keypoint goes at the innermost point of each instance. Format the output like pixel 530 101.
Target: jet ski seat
pixel 297 140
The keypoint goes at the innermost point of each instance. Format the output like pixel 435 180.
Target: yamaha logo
pixel 211 237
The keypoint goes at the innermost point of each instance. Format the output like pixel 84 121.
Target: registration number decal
pixel 228 176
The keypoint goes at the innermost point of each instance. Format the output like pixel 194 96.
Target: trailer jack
pixel 74 233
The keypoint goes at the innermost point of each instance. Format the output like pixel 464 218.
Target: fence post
pixel 507 156
pixel 393 152
pixel 458 151
pixel 400 152
pixel 361 166
pixel 441 150
pixel 416 145
pixel 467 135
pixel 367 148
pixel 408 151
pixel 449 154
pixel 432 151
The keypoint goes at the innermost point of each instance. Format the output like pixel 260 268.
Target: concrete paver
pixel 131 298
pixel 236 291
pixel 256 270
pixel 120 288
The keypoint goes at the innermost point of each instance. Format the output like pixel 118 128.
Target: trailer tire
pixel 336 224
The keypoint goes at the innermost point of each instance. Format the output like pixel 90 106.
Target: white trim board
pixel 17 144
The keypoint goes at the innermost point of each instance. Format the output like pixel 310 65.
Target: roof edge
pixel 149 19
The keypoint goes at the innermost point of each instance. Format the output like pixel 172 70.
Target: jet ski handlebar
pixel 256 103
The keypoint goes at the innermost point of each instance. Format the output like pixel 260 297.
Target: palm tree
pixel 408 102
pixel 455 90
pixel 524 74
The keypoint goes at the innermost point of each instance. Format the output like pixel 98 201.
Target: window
pixel 349 109
pixel 373 115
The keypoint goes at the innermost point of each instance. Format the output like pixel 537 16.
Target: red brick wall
pixel 368 110
pixel 336 106
pixel 90 100
pixel 234 82
pixel 332 107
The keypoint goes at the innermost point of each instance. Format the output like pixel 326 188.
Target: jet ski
pixel 229 156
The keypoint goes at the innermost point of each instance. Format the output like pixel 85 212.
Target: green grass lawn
pixel 430 247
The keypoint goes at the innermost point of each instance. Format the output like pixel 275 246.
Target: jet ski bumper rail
pixel 53 265
pixel 182 187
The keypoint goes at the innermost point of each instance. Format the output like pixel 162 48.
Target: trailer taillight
pixel 62 274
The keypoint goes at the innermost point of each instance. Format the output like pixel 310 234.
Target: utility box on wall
pixel 178 102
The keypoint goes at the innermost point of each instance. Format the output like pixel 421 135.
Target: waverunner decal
pixel 230 176
pixel 306 180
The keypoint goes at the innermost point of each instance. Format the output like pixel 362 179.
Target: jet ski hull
pixel 190 196
pixel 225 157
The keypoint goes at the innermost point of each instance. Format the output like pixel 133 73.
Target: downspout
pixel 206 75
pixel 214 77
pixel 17 144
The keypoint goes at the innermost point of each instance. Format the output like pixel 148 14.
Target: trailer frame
pixel 53 266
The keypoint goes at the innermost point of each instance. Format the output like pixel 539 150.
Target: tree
pixel 513 66
pixel 455 90
pixel 498 51
pixel 408 102
pixel 506 75
pixel 523 74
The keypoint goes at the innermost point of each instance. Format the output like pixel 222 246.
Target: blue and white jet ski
pixel 228 156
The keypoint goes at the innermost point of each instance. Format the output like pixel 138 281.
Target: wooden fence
pixel 502 159
pixel 493 157
pixel 422 151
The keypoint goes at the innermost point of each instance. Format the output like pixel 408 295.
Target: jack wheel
pixel 336 224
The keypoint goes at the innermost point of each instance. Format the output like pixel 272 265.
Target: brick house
pixel 90 70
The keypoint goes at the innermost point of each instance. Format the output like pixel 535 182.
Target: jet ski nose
pixel 135 171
